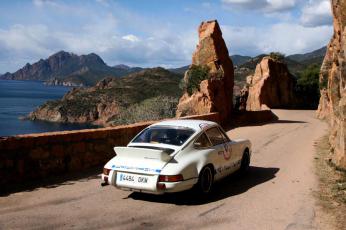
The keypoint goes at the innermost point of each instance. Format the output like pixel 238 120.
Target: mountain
pixel 122 70
pixel 180 70
pixel 236 59
pixel 148 94
pixel 67 67
pixel 314 55
pixel 239 59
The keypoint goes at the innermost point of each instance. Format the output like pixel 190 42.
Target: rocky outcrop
pixel 215 92
pixel 333 77
pixel 271 86
pixel 241 98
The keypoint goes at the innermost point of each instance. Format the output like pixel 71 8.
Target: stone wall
pixel 35 156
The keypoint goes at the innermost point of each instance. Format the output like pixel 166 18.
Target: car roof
pixel 192 124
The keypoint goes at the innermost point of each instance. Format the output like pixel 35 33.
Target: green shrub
pixel 324 83
pixel 156 108
pixel 195 75
pixel 277 56
pixel 308 86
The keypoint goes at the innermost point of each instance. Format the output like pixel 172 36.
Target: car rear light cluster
pixel 170 178
pixel 106 171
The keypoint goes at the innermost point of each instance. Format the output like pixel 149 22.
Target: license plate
pixel 133 178
pixel 137 181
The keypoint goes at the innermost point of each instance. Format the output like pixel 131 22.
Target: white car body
pixel 159 168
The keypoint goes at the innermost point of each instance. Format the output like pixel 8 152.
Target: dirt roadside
pixel 331 193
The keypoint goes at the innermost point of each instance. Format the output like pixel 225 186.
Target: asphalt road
pixel 275 194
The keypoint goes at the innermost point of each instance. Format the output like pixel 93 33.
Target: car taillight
pixel 170 178
pixel 106 171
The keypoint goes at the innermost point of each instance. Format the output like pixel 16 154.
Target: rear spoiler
pixel 146 153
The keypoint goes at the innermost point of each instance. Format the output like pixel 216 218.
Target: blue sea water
pixel 19 98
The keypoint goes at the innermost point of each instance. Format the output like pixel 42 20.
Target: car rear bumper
pixel 158 188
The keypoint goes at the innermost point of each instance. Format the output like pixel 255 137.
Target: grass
pixel 332 185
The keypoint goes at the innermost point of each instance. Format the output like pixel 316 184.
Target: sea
pixel 19 98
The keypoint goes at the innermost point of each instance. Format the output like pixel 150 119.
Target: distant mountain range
pixel 65 68
pixel 70 68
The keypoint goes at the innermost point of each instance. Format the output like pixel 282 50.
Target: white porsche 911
pixel 176 155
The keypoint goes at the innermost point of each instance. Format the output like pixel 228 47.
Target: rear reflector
pixel 161 186
pixel 170 178
pixel 106 171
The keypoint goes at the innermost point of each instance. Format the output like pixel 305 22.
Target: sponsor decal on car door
pixel 224 155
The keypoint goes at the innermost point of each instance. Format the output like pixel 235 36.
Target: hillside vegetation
pixel 148 94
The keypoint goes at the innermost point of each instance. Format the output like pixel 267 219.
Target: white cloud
pixel 317 13
pixel 127 38
pixel 20 44
pixel 284 37
pixel 131 38
pixel 42 3
pixel 269 6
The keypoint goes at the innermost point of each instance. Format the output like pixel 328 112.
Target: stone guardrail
pixel 36 156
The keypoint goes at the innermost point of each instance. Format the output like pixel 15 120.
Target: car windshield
pixel 164 135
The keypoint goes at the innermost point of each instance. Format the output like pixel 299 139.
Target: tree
pixel 277 56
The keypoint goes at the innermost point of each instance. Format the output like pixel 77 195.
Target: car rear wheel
pixel 205 180
pixel 245 162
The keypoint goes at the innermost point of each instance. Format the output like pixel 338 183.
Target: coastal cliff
pixel 150 94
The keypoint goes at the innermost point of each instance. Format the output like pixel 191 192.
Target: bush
pixel 277 56
pixel 308 86
pixel 310 77
pixel 195 75
pixel 156 108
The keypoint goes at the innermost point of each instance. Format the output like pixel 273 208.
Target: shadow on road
pixel 289 122
pixel 52 182
pixel 230 186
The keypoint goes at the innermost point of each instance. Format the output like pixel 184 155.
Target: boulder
pixel 214 92
pixel 333 78
pixel 271 86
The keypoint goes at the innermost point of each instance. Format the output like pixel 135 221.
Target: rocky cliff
pixel 271 86
pixel 150 94
pixel 209 80
pixel 333 77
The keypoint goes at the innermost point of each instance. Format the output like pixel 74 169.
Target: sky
pixel 150 33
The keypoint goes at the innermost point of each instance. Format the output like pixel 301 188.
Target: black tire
pixel 245 161
pixel 205 180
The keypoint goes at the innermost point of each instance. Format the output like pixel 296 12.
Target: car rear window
pixel 164 135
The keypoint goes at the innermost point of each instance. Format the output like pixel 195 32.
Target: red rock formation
pixel 215 94
pixel 271 86
pixel 333 99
